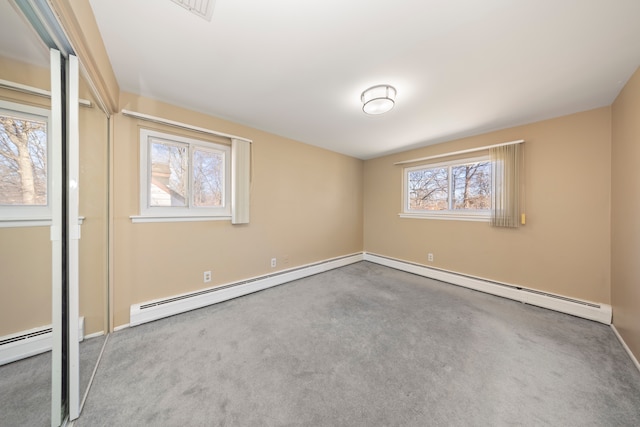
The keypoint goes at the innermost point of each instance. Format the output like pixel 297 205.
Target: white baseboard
pixel 94 335
pixel 585 309
pixel 30 342
pixel 81 336
pixel 626 347
pixel 158 309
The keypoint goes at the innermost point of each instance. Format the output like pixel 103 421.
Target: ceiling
pixel 297 68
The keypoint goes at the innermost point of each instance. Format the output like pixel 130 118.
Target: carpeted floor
pixel 25 386
pixel 25 392
pixel 365 345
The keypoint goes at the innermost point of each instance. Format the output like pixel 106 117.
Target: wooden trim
pixel 81 29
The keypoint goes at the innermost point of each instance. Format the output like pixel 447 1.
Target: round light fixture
pixel 378 99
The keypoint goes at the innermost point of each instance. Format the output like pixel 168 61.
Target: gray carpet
pixel 25 386
pixel 89 353
pixel 25 392
pixel 365 345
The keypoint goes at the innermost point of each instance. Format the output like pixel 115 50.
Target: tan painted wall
pixel 25 252
pixel 25 279
pixel 565 246
pixel 306 204
pixel 93 245
pixel 625 205
pixel 26 74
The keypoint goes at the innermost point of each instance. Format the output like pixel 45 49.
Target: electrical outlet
pixel 430 257
pixel 273 262
pixel 206 276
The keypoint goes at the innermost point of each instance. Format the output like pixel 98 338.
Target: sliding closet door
pixel 58 386
pixel 62 210
pixel 73 234
pixel 54 193
pixel 65 232
pixel 25 225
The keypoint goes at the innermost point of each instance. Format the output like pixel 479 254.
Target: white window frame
pixel 449 214
pixel 22 215
pixel 178 213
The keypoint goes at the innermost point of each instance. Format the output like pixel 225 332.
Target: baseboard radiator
pixel 588 310
pixel 160 308
pixel 29 343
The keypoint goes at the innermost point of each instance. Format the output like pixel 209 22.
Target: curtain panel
pixel 506 169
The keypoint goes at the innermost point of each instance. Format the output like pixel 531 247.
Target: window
pixel 458 189
pixel 183 177
pixel 24 165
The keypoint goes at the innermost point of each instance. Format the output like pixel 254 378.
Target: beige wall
pixel 93 245
pixel 26 74
pixel 25 252
pixel 564 247
pixel 25 279
pixel 625 206
pixel 572 245
pixel 306 205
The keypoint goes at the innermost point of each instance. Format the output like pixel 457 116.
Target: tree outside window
pixel 23 161
pixel 460 186
pixel 182 176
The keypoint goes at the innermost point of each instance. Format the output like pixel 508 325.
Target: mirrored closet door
pixel 28 389
pixel 93 244
pixel 53 220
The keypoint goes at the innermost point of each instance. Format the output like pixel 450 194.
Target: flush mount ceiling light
pixel 378 99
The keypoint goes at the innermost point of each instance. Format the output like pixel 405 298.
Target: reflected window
pixel 24 162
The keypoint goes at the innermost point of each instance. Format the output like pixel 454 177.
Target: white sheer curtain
pixel 507 164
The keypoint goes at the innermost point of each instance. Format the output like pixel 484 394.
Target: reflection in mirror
pixel 25 247
pixel 93 255
pixel 25 218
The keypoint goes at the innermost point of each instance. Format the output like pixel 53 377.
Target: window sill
pixel 24 222
pixel 30 222
pixel 148 218
pixel 447 216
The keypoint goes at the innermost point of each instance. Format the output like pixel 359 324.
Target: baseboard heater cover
pixel 30 342
pixel 160 308
pixel 587 310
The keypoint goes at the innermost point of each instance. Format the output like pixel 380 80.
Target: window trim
pixel 24 215
pixel 449 214
pixel 176 213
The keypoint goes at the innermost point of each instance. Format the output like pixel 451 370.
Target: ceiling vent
pixel 202 8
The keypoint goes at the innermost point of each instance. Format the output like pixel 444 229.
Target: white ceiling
pixel 297 68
